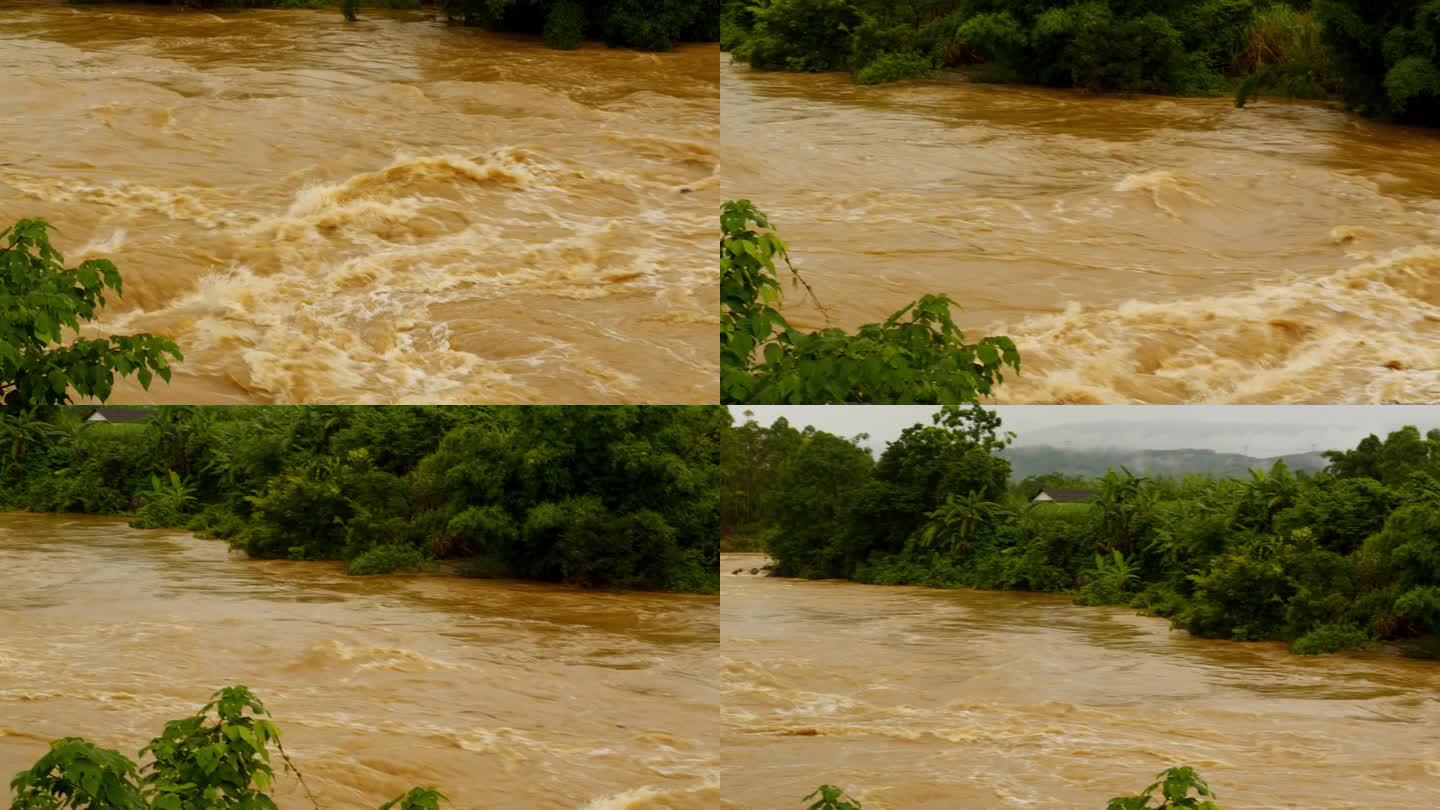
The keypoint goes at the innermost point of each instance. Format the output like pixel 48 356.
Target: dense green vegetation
pixel 1172 790
pixel 1173 46
pixel 1382 58
pixel 646 24
pixel 649 24
pixel 239 4
pixel 1341 558
pixel 1388 55
pixel 917 355
pixel 215 759
pixel 606 496
pixel 40 298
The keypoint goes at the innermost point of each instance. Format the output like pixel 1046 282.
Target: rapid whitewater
pixel 391 211
pixel 1140 249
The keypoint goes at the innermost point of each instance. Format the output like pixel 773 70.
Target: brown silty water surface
pixel 1143 249
pixel 395 210
pixel 917 699
pixel 503 694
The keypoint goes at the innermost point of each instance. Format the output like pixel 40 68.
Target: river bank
pixel 491 690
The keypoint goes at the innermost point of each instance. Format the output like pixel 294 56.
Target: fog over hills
pixel 1031 460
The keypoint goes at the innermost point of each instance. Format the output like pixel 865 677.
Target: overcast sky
pixel 1255 430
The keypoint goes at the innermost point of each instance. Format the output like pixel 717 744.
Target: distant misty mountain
pixel 1093 462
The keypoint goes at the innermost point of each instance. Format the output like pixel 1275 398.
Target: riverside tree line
pixel 647 24
pixel 620 496
pixel 1383 58
pixel 1344 558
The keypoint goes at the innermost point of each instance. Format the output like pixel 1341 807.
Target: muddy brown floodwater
pixel 1143 249
pixel 926 699
pixel 391 211
pixel 503 694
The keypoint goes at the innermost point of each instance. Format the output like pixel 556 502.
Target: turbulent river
pixel 1138 249
pixel 389 211
pixel 922 699
pixel 503 694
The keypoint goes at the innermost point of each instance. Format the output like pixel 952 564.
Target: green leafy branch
pixel 1175 786
pixel 39 299
pixel 917 355
pixel 215 759
pixel 829 797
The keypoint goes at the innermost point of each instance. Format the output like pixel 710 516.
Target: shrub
pixel 1329 638
pixel 165 504
pixel 648 24
pixel 565 25
pixel 300 515
pixel 991 37
pixel 1242 596
pixel 386 559
pixel 894 67
pixel 1385 55
pixel 218 521
pixel 1109 582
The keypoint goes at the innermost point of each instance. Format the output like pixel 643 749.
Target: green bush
pixel 165 504
pixel 894 67
pixel 565 25
pixel 1330 638
pixel 1283 53
pixel 1109 582
pixel 386 559
pixel 1386 56
pixel 1242 596
pixel 648 24
pixel 802 35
